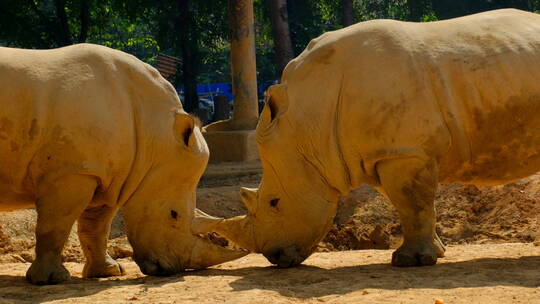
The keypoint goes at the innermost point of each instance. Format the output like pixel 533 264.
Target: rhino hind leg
pixel 410 183
pixel 94 227
pixel 59 203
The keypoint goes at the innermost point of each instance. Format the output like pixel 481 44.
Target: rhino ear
pixel 183 128
pixel 249 198
pixel 276 102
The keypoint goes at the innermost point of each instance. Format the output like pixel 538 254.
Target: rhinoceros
pixel 399 106
pixel 86 130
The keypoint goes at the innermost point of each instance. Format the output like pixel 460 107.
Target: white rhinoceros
pixel 399 106
pixel 85 130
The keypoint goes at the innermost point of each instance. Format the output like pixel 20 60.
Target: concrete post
pixel 243 66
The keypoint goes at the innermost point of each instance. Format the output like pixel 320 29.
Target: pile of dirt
pixel 466 214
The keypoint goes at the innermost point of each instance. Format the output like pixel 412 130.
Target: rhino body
pixel 399 106
pixel 85 130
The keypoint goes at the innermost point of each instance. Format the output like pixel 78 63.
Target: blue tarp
pixel 210 90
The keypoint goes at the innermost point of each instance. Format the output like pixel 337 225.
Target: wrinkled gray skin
pixel 86 130
pixel 399 106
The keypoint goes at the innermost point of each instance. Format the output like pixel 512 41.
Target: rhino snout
pixel 153 268
pixel 285 257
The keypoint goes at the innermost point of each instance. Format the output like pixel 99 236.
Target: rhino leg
pixel 94 227
pixel 59 203
pixel 410 183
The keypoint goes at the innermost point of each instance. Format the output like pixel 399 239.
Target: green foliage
pixel 146 27
pixel 385 9
pixel 264 43
pixel 308 19
pixel 428 17
pixel 28 24
pixel 35 24
pixel 445 9
pixel 215 66
pixel 134 37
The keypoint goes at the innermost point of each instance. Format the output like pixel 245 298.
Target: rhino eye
pixel 274 202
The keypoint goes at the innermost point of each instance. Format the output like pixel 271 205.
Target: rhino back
pixel 451 89
pixel 71 110
pixel 492 101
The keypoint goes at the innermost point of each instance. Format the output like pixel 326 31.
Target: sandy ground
pixel 489 273
pixel 477 222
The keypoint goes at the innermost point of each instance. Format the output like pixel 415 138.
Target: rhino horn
pixel 196 253
pixel 238 230
pixel 204 254
pixel 203 223
pixel 249 197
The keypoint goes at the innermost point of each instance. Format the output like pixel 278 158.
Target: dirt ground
pixel 477 223
pixel 487 273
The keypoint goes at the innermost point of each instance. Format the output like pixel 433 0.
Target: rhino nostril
pixel 153 268
pixel 284 257
pixel 274 202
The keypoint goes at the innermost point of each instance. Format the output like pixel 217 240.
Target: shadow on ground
pixel 522 272
pixel 308 281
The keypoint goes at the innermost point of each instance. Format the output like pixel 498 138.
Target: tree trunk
pixel 85 21
pixel 347 12
pixel 185 27
pixel 243 65
pixel 64 37
pixel 280 31
pixel 243 69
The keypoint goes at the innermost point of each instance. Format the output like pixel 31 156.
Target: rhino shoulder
pixel 377 44
pixel 145 80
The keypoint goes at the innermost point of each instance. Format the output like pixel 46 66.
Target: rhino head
pixel 294 206
pixel 160 216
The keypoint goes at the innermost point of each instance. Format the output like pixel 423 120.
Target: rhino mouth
pixel 285 257
pixel 154 268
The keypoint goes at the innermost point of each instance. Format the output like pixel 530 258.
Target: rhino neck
pixel 152 120
pixel 324 148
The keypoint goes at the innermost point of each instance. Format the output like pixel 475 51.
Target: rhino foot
pixel 41 273
pixel 417 255
pixel 101 270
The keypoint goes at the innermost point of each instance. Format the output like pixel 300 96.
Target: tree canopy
pixel 197 31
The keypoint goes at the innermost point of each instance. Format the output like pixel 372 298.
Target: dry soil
pixel 491 232
pixel 487 273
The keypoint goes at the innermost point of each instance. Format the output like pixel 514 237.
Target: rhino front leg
pixel 59 203
pixel 94 227
pixel 410 183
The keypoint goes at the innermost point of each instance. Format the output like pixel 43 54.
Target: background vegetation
pixel 197 30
